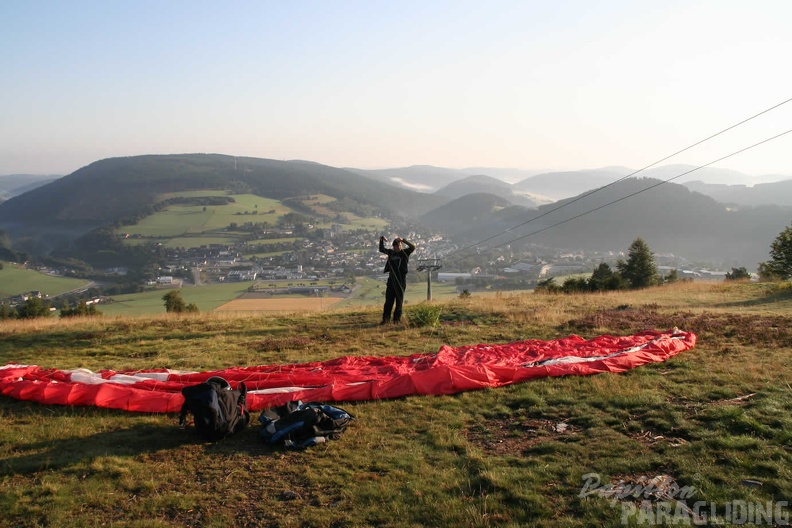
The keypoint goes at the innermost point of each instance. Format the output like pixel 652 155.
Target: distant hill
pixel 560 185
pixel 539 187
pixel 687 173
pixel 109 190
pixel 777 193
pixel 669 217
pixel 426 178
pixel 485 184
pixel 422 178
pixel 468 210
pixel 504 174
pixel 15 184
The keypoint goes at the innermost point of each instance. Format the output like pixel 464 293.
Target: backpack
pixel 298 425
pixel 217 410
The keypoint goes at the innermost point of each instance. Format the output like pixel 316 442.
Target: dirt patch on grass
pixel 758 330
pixel 502 436
pixel 308 304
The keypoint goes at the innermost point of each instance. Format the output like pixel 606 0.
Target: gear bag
pixel 298 425
pixel 218 411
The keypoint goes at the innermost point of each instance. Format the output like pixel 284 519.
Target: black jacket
pixel 397 260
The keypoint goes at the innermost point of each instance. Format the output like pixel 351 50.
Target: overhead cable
pixel 589 193
pixel 632 194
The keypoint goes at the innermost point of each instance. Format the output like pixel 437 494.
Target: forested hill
pixel 669 217
pixel 111 189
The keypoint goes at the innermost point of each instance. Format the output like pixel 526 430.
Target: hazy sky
pixel 377 84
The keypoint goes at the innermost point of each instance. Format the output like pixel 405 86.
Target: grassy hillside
pixel 110 190
pixel 15 280
pixel 715 421
pixel 181 225
pixel 181 219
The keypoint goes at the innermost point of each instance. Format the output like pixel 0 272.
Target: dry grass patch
pixel 310 304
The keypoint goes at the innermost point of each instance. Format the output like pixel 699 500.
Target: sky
pixel 535 85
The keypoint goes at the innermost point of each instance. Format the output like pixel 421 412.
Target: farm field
pixel 280 304
pixel 702 433
pixel 206 298
pixel 188 226
pixel 15 280
pixel 366 292
pixel 178 219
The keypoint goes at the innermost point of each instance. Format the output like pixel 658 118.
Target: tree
pixel 83 309
pixel 575 284
pixel 671 277
pixel 766 273
pixel 738 274
pixel 6 312
pixel 605 279
pixel 174 302
pixel 640 269
pixel 780 263
pixel 33 307
pixel 547 286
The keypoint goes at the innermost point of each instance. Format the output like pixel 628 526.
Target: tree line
pixel 640 271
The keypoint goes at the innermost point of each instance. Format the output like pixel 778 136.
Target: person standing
pixel 396 268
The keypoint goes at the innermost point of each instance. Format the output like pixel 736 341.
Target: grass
pixel 179 219
pixel 189 226
pixel 15 280
pixel 207 298
pixel 715 419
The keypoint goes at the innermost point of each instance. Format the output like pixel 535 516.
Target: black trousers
pixel 394 297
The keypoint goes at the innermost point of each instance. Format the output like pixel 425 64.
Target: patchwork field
pixel 194 225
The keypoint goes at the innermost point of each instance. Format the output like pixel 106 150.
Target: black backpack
pixel 217 410
pixel 299 425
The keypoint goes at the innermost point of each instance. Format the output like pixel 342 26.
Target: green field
pixel 353 221
pixel 177 220
pixel 368 292
pixel 15 280
pixel 371 292
pixel 206 298
pixel 197 225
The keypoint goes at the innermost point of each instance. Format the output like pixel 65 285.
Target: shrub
pixel 424 314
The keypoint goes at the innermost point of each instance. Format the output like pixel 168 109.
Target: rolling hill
pixel 725 185
pixel 468 210
pixel 776 193
pixel 669 217
pixel 15 184
pixel 110 190
pixel 486 184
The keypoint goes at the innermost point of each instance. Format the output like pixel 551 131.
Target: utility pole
pixel 429 265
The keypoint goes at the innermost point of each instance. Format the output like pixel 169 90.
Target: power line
pixel 633 194
pixel 589 193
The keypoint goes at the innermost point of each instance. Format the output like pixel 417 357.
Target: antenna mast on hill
pixel 429 265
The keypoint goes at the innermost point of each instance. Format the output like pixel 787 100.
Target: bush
pixel 424 314
pixel 738 274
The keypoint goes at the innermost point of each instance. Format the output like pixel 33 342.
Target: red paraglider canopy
pixel 448 371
